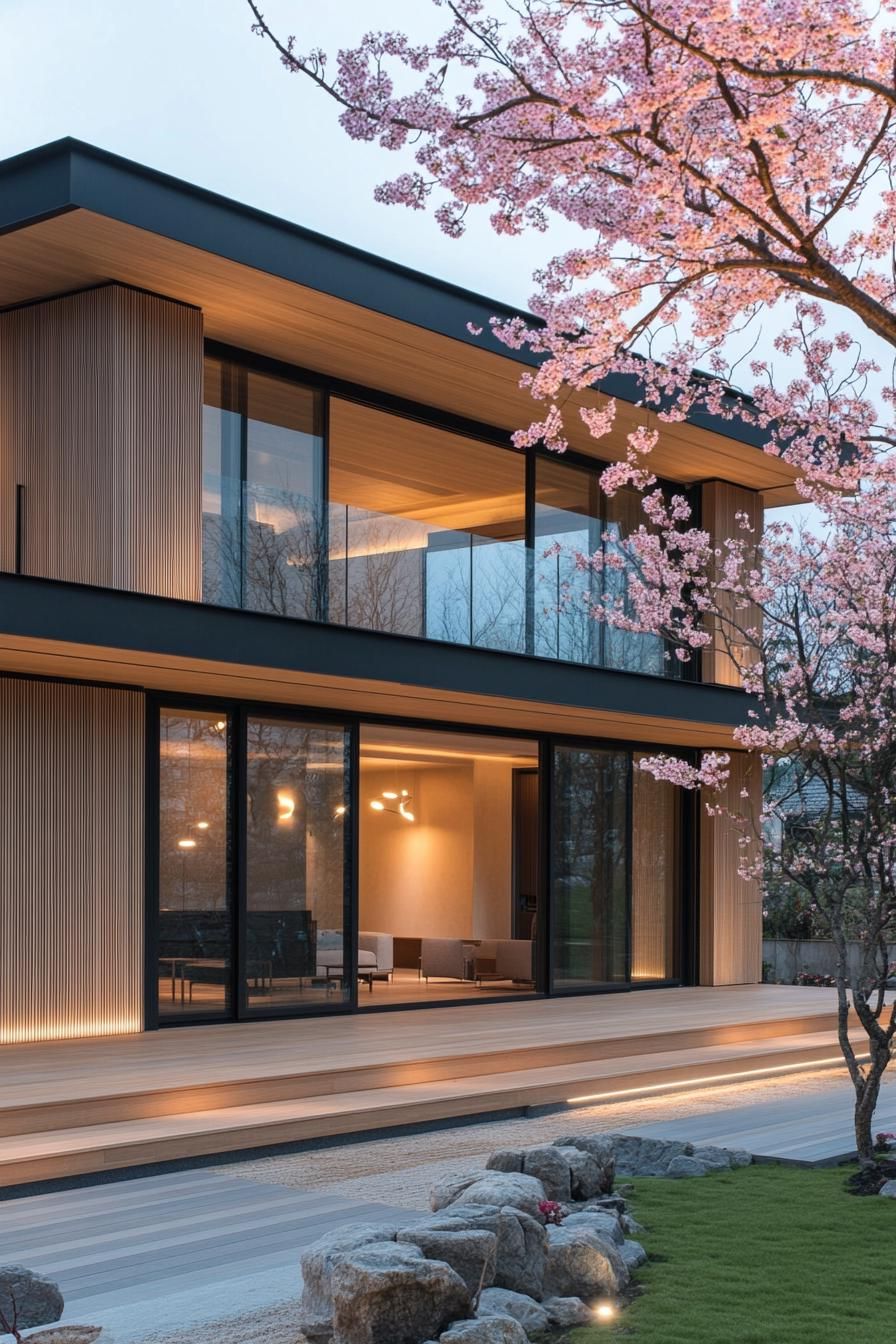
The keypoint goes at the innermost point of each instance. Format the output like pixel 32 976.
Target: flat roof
pixel 73 215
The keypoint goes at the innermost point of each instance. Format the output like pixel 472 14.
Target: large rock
pixel 581 1263
pixel 73 1334
pixel 602 1169
pixel 388 1293
pixel 634 1255
pixel 486 1330
pixel 549 1166
pixel 318 1263
pixel 502 1302
pixel 566 1312
pixel 492 1187
pixel 723 1157
pixel 646 1157
pixel 447 1190
pixel 888 1190
pixel 595 1220
pixel 27 1298
pixel 522 1241
pixel 681 1167
pixel 587 1174
pixel 472 1253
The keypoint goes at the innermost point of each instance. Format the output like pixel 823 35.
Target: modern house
pixel 302 711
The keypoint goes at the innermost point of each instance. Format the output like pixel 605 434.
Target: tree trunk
pixel 866 1104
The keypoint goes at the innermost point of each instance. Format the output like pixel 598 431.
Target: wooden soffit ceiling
pixel 263 312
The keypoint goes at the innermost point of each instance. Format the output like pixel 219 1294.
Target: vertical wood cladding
pixel 730 905
pixel 100 420
pixel 71 860
pixel 721 502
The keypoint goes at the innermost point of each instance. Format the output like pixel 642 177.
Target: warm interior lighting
pixel 202 825
pixel 341 810
pixel 387 800
pixel 697 1083
pixel 186 844
pixel 221 725
pixel 286 805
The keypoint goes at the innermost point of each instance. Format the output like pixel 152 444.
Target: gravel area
pixel 401 1170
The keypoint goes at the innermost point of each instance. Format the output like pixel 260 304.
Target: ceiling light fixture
pixel 387 803
pixel 286 806
pixel 186 844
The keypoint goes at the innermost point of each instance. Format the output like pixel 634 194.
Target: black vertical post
pixel 545 916
pixel 20 530
pixel 529 538
pixel 237 755
pixel 352 798
pixel 151 865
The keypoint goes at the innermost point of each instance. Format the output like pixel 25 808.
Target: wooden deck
pixel 76 1107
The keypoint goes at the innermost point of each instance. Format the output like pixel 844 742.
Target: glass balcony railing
pixel 279 552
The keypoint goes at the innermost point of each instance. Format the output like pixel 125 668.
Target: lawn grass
pixel 765 1255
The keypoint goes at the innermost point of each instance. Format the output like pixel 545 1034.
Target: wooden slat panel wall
pixel 100 419
pixel 71 860
pixel 721 502
pixel 730 905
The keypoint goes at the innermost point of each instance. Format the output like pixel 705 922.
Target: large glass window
pixel 590 867
pixel 574 522
pixel 296 890
pixel 195 925
pixel 427 531
pixel 263 492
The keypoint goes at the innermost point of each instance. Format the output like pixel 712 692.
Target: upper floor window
pixel 324 508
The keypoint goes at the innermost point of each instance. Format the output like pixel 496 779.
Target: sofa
pixel 375 954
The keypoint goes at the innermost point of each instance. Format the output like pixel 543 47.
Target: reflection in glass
pixel 296 890
pixel 589 850
pixel 194 866
pixel 427 531
pixel 262 492
pixel 656 877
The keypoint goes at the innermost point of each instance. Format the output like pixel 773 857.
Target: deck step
pixel 89 1148
pixel 151 1089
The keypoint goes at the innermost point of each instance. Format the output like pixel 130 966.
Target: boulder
pixel 550 1167
pixel 472 1253
pixel 630 1226
pixel 447 1190
pixel 492 1187
pixel 318 1262
pixel 888 1190
pixel 522 1241
pixel 634 1255
pixel 502 1302
pixel 27 1298
pixel 646 1157
pixel 506 1159
pixel 486 1330
pixel 387 1293
pixel 581 1263
pixel 601 1151
pixel 587 1174
pixel 566 1312
pixel 723 1157
pixel 682 1166
pixel 604 1224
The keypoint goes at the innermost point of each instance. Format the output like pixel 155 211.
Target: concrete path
pixel 163 1250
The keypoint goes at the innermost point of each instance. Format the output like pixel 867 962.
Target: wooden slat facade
pixel 100 404
pixel 71 860
pixel 721 503
pixel 731 905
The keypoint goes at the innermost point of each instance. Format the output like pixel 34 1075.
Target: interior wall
pixel 71 861
pixel 416 878
pixel 492 850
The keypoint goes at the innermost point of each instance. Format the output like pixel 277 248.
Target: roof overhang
pixel 72 216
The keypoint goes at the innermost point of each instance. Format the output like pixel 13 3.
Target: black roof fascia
pixel 69 174
pixel 32 608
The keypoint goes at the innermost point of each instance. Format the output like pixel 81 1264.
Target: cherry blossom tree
pixel 729 164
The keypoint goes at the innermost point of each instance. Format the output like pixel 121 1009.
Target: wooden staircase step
pixel 88 1148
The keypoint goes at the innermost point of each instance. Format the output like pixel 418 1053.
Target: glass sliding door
pixel 590 867
pixel 296 926
pixel 195 923
pixel 656 877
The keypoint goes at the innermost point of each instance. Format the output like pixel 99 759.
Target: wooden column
pixel 100 422
pixel 71 860
pixel 721 502
pixel 730 905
